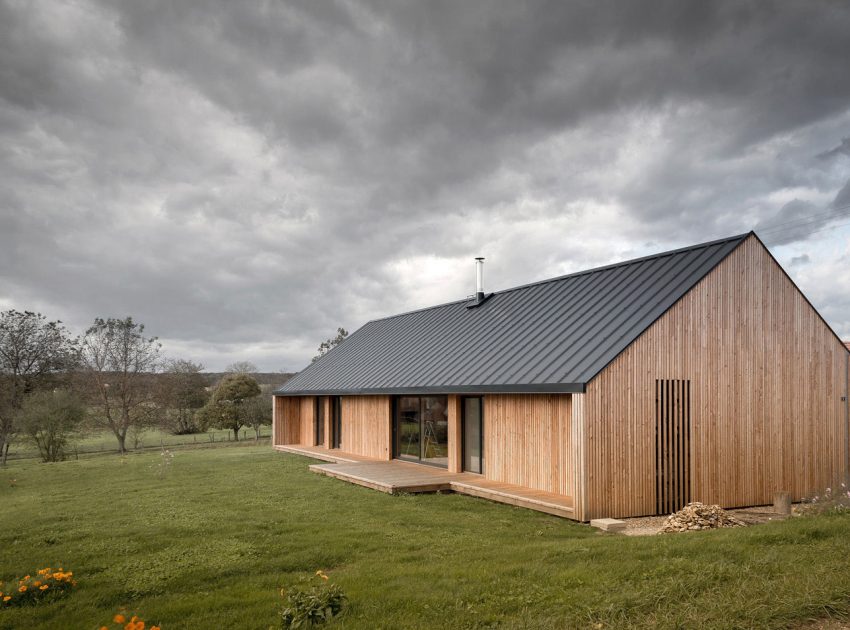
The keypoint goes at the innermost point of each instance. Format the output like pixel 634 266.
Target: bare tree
pixel 241 367
pixel 329 344
pixel 33 353
pixel 257 411
pixel 118 364
pixel 182 391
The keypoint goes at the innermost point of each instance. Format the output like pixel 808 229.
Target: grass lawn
pixel 210 545
pixel 104 441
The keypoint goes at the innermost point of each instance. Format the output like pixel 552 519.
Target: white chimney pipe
pixel 479 279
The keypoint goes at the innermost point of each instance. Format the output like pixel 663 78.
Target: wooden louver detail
pixel 672 444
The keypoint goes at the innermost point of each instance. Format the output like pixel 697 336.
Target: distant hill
pixel 275 379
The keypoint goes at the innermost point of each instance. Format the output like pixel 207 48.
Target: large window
pixel 320 421
pixel 422 429
pixel 473 435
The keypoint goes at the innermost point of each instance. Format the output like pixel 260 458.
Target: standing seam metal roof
pixel 550 336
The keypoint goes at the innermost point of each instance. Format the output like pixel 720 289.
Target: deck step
pixel 322 454
pixel 514 498
pixel 400 483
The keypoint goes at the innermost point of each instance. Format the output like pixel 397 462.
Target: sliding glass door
pixel 336 422
pixel 319 431
pixel 473 435
pixel 421 429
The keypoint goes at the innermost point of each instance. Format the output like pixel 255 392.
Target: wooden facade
pixel 527 441
pixel 766 378
pixel 733 394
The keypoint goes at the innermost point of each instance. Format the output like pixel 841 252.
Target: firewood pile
pixel 696 516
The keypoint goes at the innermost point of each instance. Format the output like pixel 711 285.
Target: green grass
pixel 104 441
pixel 211 543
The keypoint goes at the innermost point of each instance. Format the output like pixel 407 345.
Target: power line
pixel 834 213
pixel 778 238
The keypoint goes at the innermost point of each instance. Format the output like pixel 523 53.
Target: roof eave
pixel 539 388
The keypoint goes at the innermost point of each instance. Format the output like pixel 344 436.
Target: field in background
pixel 101 442
pixel 211 543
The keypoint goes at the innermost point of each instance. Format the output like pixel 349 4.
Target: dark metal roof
pixel 549 336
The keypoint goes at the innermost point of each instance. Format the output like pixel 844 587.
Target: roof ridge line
pixel 583 272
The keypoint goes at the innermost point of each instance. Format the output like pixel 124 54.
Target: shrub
pixel 310 603
pixel 827 502
pixel 121 622
pixel 50 419
pixel 46 584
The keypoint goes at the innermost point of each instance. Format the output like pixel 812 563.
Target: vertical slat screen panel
pixel 673 448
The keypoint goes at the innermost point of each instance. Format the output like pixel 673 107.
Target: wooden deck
pixel 395 476
pixel 324 454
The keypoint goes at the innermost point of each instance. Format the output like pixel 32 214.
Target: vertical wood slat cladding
pixel 455 438
pixel 307 420
pixel 366 423
pixel 578 447
pixel 672 444
pixel 527 441
pixel 767 376
pixel 367 426
pixel 287 419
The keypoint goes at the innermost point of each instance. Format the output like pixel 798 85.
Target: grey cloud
pixel 240 176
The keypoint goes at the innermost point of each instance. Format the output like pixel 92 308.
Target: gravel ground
pixel 650 525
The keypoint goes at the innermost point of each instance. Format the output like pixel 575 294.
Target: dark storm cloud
pixel 246 177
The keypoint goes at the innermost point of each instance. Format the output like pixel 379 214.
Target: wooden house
pixel 699 374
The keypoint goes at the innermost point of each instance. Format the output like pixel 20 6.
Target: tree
pixel 328 344
pixel 34 353
pixel 258 412
pixel 50 419
pixel 241 367
pixel 227 408
pixel 182 391
pixel 118 365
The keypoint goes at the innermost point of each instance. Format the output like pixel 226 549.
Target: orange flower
pixel 26 577
pixel 37 583
pixel 7 598
pixel 22 589
pixel 119 618
pixel 43 587
pixel 104 628
pixel 155 628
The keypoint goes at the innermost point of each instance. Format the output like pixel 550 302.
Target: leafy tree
pixel 241 367
pixel 182 391
pixel 34 353
pixel 328 344
pixel 117 375
pixel 50 419
pixel 227 408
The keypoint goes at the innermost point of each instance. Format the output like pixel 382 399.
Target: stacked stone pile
pixel 696 516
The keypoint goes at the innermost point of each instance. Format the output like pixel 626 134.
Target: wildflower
pixel 22 589
pixel 7 598
pixel 104 628
pixel 43 587
pixel 119 618
pixel 26 577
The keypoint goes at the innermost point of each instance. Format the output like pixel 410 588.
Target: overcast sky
pixel 245 177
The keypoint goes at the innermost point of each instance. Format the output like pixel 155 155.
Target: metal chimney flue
pixel 479 279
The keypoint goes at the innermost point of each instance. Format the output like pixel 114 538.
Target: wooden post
pixel 782 502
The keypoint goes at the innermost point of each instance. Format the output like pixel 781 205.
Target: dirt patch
pixel 651 525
